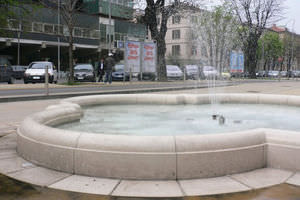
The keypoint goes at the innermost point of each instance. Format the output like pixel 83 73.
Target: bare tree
pixel 216 33
pixel 68 9
pixel 254 16
pixel 158 26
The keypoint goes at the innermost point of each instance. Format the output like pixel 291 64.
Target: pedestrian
pixel 100 70
pixel 109 64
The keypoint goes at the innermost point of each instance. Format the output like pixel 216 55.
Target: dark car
pixel 6 72
pixel 147 76
pixel 84 73
pixel 19 71
pixel 118 73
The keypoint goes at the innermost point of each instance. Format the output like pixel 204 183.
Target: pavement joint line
pixel 115 187
pixel 287 179
pixel 181 188
pixel 23 168
pixel 241 182
pixel 60 179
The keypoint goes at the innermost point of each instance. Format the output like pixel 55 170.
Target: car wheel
pixel 12 80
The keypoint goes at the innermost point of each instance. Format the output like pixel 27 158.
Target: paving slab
pixel 262 178
pixel 211 186
pixel 10 165
pixel 294 180
pixel 84 184
pixel 8 142
pixel 39 176
pixel 151 189
pixel 7 153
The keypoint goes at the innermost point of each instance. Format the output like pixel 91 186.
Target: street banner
pixel 149 57
pixel 132 56
pixel 237 62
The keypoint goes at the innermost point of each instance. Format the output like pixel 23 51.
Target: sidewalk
pixel 12 113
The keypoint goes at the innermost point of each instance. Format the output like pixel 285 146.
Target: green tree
pixel 270 48
pixel 7 10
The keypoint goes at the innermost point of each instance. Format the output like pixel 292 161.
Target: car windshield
pixel 208 68
pixel 119 68
pixel 84 67
pixel 38 65
pixel 172 68
pixel 4 61
pixel 191 68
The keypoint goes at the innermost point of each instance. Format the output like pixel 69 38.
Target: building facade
pixel 43 35
pixel 182 44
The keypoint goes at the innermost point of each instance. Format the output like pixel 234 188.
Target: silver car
pixel 174 72
pixel 210 72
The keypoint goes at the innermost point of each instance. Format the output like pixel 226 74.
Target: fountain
pixel 142 157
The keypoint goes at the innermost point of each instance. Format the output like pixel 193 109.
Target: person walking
pixel 100 70
pixel 109 64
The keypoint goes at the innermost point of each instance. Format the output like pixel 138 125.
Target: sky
pixel 290 14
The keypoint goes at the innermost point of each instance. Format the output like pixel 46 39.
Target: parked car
pixel 261 73
pixel 119 73
pixel 192 72
pixel 84 73
pixel 210 72
pixel 273 74
pixel 19 71
pixel 174 72
pixel 35 73
pixel 283 73
pixel 151 76
pixel 294 73
pixel 6 72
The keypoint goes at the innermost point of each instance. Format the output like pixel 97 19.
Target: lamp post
pixel 109 22
pixel 58 38
pixel 19 35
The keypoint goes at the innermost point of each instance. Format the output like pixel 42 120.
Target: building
pixel 291 41
pixel 43 35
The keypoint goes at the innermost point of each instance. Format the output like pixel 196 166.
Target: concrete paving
pixel 11 114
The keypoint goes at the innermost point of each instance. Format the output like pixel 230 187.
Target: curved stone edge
pixel 19 169
pixel 78 153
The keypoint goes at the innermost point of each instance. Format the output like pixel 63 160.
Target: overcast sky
pixel 291 14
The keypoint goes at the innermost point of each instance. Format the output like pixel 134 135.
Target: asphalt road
pixel 101 88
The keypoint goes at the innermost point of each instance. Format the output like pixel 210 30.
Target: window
pixel 175 50
pixel 158 20
pixel 26 26
pixel 77 32
pixel 194 50
pixel 38 27
pixel 86 33
pixel 175 34
pixel 14 24
pixel 58 29
pixel 176 19
pixel 48 28
pixel 194 19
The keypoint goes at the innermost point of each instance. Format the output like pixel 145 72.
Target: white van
pixel 35 73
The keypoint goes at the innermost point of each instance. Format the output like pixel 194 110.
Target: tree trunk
pixel 71 77
pixel 161 62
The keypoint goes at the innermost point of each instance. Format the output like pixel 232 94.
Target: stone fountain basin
pixel 155 157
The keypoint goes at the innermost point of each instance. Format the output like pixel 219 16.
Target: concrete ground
pixel 11 114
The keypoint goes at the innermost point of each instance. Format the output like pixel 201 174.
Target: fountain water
pixel 142 157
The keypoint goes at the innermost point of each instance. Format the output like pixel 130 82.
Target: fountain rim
pixel 137 149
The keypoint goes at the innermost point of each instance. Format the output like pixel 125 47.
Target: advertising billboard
pixel 132 56
pixel 237 62
pixel 149 57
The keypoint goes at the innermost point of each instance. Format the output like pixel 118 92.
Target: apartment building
pixel 182 45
